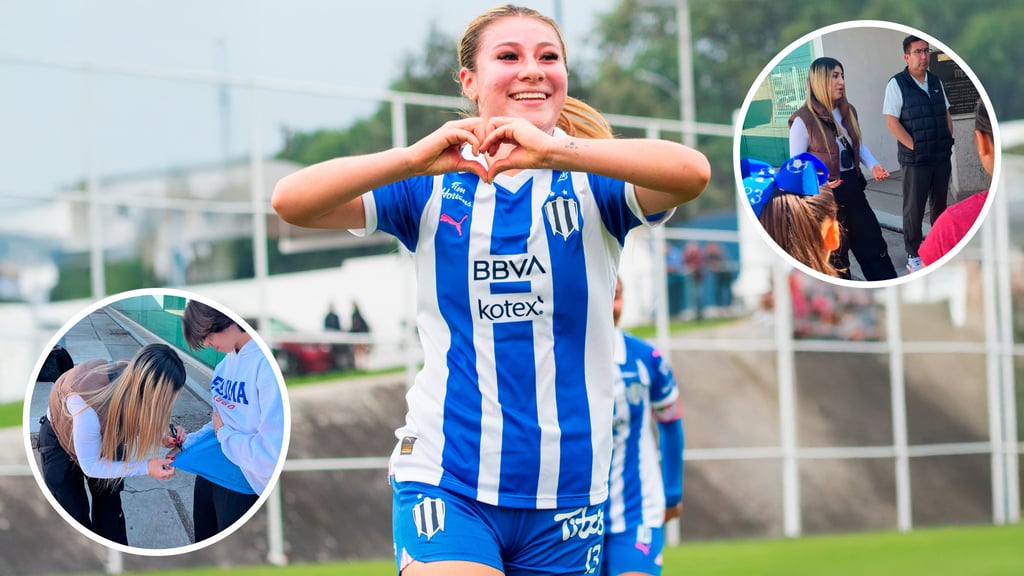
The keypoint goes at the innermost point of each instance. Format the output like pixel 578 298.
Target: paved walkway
pixel 886 199
pixel 158 514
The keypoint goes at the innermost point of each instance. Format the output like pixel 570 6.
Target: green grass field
pixel 974 551
pixel 10 414
pixel 335 376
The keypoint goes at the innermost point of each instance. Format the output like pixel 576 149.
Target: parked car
pixel 299 356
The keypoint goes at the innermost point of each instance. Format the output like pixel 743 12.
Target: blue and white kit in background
pixel 247 395
pixel 515 282
pixel 639 492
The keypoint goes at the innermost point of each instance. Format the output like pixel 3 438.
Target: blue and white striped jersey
pixel 515 282
pixel 645 385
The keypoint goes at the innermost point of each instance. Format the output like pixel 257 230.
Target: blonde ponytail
pixel 581 120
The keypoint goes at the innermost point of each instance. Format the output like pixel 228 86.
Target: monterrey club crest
pixel 428 515
pixel 563 215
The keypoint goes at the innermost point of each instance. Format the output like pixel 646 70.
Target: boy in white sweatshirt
pixel 248 418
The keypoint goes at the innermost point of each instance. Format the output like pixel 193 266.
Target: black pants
pixel 861 232
pixel 67 483
pixel 921 185
pixel 215 507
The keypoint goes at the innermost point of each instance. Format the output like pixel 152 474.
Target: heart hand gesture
pixel 514 144
pixel 441 151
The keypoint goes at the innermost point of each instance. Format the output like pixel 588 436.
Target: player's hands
pixel 440 152
pixel 673 512
pixel 527 145
pixel 833 184
pixel 506 143
pixel 879 173
pixel 161 468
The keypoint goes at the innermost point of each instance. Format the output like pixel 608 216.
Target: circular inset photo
pixel 157 422
pixel 865 153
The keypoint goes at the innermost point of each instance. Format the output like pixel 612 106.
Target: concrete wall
pixel 870 56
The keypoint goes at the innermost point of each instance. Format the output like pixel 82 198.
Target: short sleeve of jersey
pixel 663 384
pixel 619 207
pixel 664 393
pixel 396 208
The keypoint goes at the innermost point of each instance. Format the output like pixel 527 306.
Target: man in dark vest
pixel 917 112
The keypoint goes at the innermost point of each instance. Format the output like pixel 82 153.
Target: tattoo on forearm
pixel 572 146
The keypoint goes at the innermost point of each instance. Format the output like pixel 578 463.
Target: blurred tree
pixel 733 40
pixel 982 32
pixel 434 70
pixel 987 42
pixel 638 71
pixel 636 68
pixel 430 71
pixel 120 275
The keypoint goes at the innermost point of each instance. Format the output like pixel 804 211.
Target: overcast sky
pixel 54 120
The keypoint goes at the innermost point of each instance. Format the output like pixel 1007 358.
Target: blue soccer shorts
pixel 431 524
pixel 635 550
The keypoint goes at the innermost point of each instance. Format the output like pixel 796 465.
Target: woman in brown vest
pixel 826 126
pixel 107 421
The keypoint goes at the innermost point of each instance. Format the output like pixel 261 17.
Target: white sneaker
pixel 914 263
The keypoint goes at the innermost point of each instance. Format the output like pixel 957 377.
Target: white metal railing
pixel 1003 451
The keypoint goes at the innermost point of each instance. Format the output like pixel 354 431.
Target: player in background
pixel 644 494
pixel 516 217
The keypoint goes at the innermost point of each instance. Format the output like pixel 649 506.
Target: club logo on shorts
pixel 563 216
pixel 428 516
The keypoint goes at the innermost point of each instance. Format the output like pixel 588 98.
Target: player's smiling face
pixel 520 72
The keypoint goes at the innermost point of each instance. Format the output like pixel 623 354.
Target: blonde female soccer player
pixel 516 216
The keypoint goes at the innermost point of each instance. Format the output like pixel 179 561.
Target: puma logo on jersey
pixel 458 225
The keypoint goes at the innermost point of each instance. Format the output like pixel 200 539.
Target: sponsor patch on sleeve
pixel 669 412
